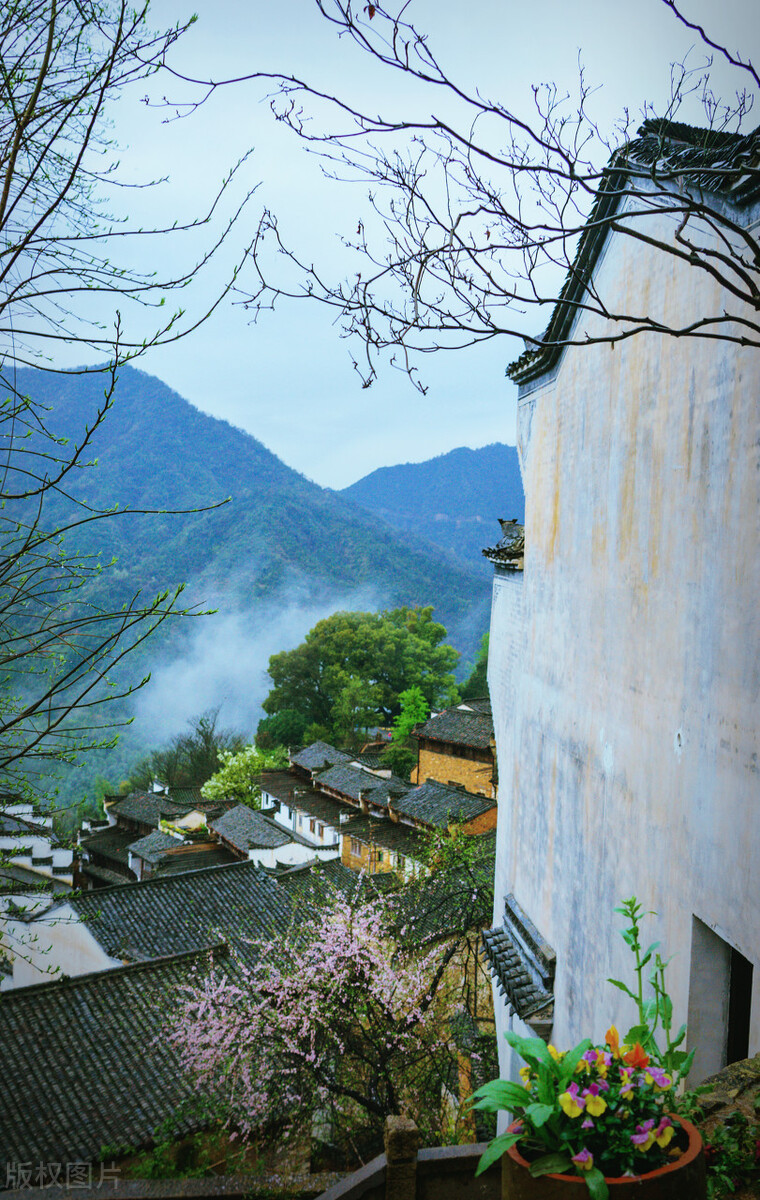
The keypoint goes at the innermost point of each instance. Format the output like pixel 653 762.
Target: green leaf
pixel 596 1184
pixel 571 1060
pixel 495 1150
pixel 549 1163
pixel 546 1084
pixel 533 1050
pixel 679 1037
pixel 637 1033
pixel 623 988
pixel 501 1094
pixel 539 1114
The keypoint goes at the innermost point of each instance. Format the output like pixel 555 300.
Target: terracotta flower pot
pixel 682 1179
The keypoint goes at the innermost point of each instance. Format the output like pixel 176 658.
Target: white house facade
pixel 624 671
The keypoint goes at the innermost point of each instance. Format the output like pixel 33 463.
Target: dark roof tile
pixel 318 756
pixel 718 162
pixel 354 782
pixel 83 1065
pixel 174 913
pixel 387 835
pixel 509 551
pixel 459 726
pixel 521 960
pixel 148 808
pixel 246 829
pixel 437 805
pixel 152 847
pixel 112 843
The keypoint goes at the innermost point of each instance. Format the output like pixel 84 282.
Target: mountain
pixel 453 500
pixel 282 539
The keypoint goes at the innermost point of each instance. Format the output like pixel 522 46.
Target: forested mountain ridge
pixel 281 535
pixel 453 500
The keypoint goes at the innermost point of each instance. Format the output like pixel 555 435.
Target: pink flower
pixel 584 1159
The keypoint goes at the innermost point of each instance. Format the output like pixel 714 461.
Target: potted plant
pixel 601 1116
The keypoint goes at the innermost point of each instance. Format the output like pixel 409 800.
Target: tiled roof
pixel 281 784
pixel 388 835
pixel 246 829
pixel 17 879
pixel 509 551
pixel 151 847
pixel 318 756
pixel 194 856
pixel 191 797
pixel 521 960
pixel 112 843
pixel 83 1066
pixel 12 825
pixel 373 762
pixel 103 876
pixel 706 159
pixel 324 808
pixel 314 886
pixel 148 808
pixel 437 805
pixel 353 781
pixel 171 914
pixel 459 726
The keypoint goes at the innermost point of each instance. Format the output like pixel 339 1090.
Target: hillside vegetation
pixel 453 500
pixel 280 536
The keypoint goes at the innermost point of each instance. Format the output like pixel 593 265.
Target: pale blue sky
pixel 289 380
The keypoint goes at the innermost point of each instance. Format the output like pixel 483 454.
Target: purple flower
pixel 584 1159
pixel 644 1135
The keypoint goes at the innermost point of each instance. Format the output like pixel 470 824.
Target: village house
pixel 456 746
pixel 250 834
pixel 146 832
pixel 158 917
pixel 27 840
pixel 297 805
pixel 624 665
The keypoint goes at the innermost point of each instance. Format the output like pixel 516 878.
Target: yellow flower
pixel 569 1101
pixel 595 1105
pixel 556 1054
pixel 664 1133
pixel 525 1076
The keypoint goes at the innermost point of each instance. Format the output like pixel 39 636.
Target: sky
pixel 288 379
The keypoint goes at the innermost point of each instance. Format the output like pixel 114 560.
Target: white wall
pixel 57 942
pixel 627 733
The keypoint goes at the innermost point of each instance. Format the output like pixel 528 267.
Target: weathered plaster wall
pixel 627 696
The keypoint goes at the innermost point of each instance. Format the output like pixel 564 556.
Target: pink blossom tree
pixel 340 1020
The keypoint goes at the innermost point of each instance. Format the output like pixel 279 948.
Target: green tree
pixel 189 759
pixel 238 775
pixel 401 755
pixel 351 669
pixel 286 728
pixel 476 683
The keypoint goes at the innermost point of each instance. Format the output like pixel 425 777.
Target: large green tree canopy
pixel 351 669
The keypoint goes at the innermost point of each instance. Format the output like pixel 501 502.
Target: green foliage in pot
pixel 598 1110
